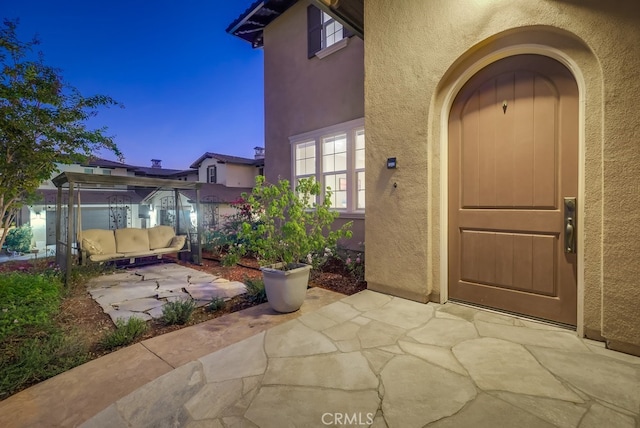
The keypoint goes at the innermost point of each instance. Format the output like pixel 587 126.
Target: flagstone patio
pixel 381 361
pixel 142 292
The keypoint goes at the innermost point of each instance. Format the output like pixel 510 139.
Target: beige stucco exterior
pixel 228 174
pixel 240 175
pixel 417 56
pixel 305 94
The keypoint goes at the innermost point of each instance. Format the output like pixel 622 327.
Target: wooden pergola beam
pixel 95 179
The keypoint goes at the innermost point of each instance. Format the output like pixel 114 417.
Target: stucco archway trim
pixel 458 77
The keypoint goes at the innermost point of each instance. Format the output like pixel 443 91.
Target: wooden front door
pixel 513 158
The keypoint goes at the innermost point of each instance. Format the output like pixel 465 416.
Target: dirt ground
pixel 82 316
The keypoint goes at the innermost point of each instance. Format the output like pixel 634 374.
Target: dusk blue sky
pixel 188 87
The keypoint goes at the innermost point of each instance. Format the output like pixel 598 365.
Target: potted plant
pixel 288 232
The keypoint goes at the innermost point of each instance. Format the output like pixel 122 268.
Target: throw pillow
pixel 178 242
pixel 91 247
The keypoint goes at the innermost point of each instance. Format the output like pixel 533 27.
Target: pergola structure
pixel 70 181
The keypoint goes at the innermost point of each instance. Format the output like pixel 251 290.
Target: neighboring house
pixel 227 178
pixel 496 111
pixel 156 171
pixel 114 207
pixel 314 100
pixel 230 171
pixel 103 207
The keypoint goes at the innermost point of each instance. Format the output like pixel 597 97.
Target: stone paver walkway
pixel 381 361
pixel 142 292
pixel 72 397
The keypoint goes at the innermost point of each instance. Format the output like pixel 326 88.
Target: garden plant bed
pixel 83 318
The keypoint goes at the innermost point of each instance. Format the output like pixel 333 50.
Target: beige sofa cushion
pixel 131 240
pixel 91 247
pixel 104 257
pixel 160 236
pixel 104 241
pixel 178 242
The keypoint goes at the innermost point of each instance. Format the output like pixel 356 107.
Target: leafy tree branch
pixel 42 123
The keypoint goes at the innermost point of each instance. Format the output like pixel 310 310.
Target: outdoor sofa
pixel 100 245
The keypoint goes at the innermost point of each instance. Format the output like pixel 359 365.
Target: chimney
pixel 156 163
pixel 259 154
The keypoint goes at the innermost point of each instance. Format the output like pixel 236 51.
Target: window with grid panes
pixel 331 31
pixel 305 159
pixel 359 169
pixel 334 156
pixel 212 173
pixel 323 31
pixel 334 169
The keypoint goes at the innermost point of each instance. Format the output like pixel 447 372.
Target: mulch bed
pixel 82 315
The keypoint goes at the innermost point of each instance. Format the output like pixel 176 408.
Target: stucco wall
pixel 416 51
pixel 303 94
pixel 241 175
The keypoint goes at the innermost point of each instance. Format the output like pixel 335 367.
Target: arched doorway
pixel 513 159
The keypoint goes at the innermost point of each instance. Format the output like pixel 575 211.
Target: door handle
pixel 569 225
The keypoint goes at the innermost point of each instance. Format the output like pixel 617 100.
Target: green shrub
pixel 27 302
pixel 178 312
pixel 291 226
pixel 37 359
pixel 32 347
pixel 216 304
pixel 255 290
pixel 226 234
pixel 353 261
pixel 19 239
pixel 125 333
pixel 213 241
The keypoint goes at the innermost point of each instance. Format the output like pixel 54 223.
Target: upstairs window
pixel 323 31
pixel 212 174
pixel 332 31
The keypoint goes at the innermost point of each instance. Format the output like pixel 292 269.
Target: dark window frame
pixel 213 168
pixel 314 31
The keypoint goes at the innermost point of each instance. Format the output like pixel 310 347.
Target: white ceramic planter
pixel 286 289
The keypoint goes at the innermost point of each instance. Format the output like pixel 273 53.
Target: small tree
pixel 291 226
pixel 42 123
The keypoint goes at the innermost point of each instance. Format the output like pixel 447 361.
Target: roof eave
pixel 198 162
pixel 349 13
pixel 263 13
pixel 245 17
